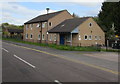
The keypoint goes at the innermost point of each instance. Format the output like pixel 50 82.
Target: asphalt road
pixel 28 64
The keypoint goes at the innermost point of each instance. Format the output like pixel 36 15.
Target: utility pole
pixel 47 23
pixel 41 32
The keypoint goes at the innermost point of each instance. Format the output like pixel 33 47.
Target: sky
pixel 18 12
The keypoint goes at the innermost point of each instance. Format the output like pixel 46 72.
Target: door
pixel 62 39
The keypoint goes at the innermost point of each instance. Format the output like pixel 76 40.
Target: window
pixel 68 38
pixel 43 37
pixel 38 25
pixel 44 24
pixel 26 36
pixel 31 36
pixel 26 26
pixel 90 24
pixel 39 37
pixel 50 24
pixel 50 37
pixel 85 37
pixel 90 37
pixel 95 37
pixel 79 37
pixel 31 26
pixel 99 37
pixel 54 37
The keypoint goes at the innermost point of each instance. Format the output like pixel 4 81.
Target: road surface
pixel 27 63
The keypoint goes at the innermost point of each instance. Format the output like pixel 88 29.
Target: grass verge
pixel 61 47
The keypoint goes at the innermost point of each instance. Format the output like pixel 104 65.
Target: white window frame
pixel 96 38
pixel 68 38
pixel 43 36
pixel 38 25
pixel 90 38
pixel 84 37
pixel 55 37
pixel 51 24
pixel 99 37
pixel 91 24
pixel 26 26
pixel 79 38
pixel 44 24
pixel 31 26
pixel 39 37
pixel 50 37
pixel 26 36
pixel 30 36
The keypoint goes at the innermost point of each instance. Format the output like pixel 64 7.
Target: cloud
pixel 14 13
pixel 17 14
pixel 52 0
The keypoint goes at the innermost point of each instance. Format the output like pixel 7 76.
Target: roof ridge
pixel 51 12
pixel 43 15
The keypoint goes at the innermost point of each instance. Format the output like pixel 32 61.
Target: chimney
pixel 47 10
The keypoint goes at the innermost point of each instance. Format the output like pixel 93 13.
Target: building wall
pixel 85 29
pixel 36 31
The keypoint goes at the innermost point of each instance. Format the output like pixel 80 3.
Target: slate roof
pixel 42 18
pixel 68 25
pixel 15 30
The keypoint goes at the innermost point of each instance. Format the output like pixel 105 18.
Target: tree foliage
pixel 75 15
pixel 7 25
pixel 110 14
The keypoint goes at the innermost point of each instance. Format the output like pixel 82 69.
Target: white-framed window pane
pixel 54 37
pixel 50 37
pixel 31 36
pixel 99 37
pixel 95 37
pixel 85 37
pixel 31 26
pixel 68 37
pixel 90 37
pixel 50 23
pixel 38 25
pixel 44 24
pixel 26 26
pixel 39 37
pixel 79 38
pixel 43 37
pixel 26 36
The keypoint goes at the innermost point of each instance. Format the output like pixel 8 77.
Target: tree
pixel 7 25
pixel 75 15
pixel 110 14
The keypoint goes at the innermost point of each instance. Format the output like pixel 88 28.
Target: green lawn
pixel 60 47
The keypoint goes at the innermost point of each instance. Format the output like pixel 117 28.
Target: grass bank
pixel 60 47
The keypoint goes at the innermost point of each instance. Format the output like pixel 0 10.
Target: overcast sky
pixel 18 12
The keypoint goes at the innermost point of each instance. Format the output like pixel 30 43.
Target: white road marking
pixel 56 81
pixel 24 61
pixel 5 50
